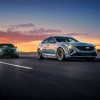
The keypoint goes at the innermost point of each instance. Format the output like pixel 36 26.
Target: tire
pixel 39 54
pixel 90 59
pixel 60 54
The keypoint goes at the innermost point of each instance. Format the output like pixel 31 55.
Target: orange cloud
pixel 77 34
pixel 25 36
pixel 27 39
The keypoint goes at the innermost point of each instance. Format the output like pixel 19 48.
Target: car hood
pixel 8 48
pixel 79 44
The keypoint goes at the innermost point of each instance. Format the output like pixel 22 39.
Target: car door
pixel 45 47
pixel 52 47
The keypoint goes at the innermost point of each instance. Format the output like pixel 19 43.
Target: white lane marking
pixel 16 65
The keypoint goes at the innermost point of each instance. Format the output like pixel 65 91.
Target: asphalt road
pixel 27 78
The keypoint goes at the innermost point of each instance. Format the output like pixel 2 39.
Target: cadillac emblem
pixel 87 47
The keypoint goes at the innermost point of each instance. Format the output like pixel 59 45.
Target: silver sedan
pixel 61 47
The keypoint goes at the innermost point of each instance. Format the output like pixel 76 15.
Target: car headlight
pixel 0 50
pixel 16 50
pixel 70 48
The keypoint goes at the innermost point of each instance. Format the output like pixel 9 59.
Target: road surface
pixel 27 78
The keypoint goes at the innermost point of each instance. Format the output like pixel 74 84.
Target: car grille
pixel 9 51
pixel 85 48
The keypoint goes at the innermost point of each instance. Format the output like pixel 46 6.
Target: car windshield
pixel 6 45
pixel 65 39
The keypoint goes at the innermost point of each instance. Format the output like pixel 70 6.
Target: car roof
pixel 60 36
pixel 5 44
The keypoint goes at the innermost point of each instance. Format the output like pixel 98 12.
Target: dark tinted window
pixel 65 39
pixel 45 41
pixel 6 45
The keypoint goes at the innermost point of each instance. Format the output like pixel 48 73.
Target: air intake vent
pixel 85 48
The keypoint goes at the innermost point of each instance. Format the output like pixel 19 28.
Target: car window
pixel 6 45
pixel 61 39
pixel 51 40
pixel 65 39
pixel 71 40
pixel 45 41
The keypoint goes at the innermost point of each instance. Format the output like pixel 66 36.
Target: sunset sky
pixel 26 22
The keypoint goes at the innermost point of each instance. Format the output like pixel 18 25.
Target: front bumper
pixel 9 54
pixel 82 54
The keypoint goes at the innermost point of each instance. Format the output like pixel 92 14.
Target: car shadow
pixel 74 60
pixel 54 59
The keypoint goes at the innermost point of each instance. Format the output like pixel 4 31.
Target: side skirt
pixel 49 55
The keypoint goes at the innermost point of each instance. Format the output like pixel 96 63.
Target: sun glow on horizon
pixel 28 46
pixel 32 46
pixel 27 40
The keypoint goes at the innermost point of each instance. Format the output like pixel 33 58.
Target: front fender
pixel 64 47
